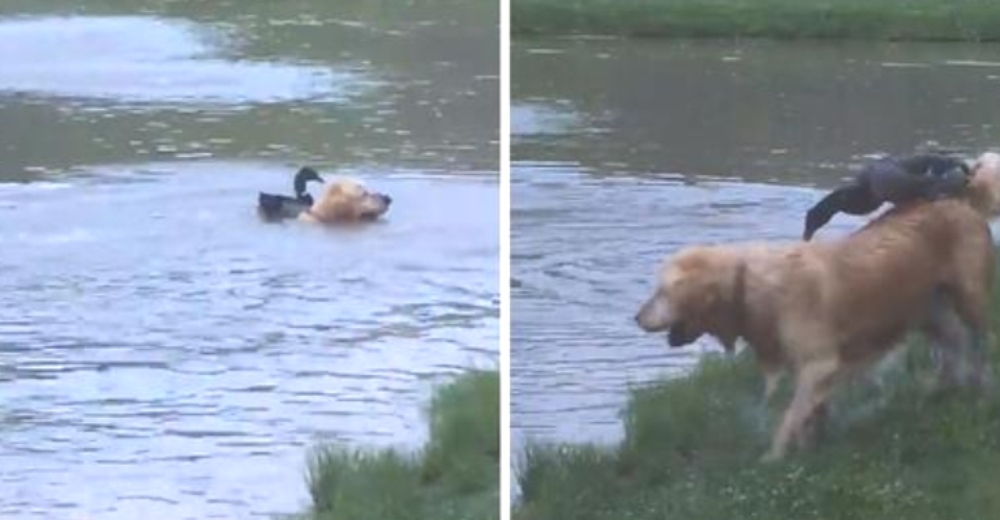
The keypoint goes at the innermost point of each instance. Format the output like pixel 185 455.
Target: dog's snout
pixel 385 198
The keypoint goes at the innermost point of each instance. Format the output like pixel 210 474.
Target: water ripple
pixel 200 354
pixel 145 60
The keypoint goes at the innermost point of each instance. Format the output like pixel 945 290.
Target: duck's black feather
pixel 893 180
pixel 278 207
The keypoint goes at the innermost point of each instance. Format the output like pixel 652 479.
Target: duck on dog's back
pixel 891 180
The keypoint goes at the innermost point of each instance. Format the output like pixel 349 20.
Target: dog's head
pixel 984 185
pixel 349 200
pixel 694 296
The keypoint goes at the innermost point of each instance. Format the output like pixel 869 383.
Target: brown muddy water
pixel 625 151
pixel 163 353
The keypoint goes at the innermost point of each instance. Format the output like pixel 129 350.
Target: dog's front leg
pixel 771 379
pixel 946 334
pixel 772 373
pixel 813 428
pixel 981 376
pixel 813 383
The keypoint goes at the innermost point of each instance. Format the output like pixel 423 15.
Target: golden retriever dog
pixel 347 201
pixel 826 309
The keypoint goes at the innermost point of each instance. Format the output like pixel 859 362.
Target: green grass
pixel 455 477
pixel 891 451
pixel 925 20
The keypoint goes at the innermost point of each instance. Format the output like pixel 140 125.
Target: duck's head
pixel 302 178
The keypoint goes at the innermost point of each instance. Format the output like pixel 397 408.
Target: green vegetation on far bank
pixel 916 20
pixel 892 450
pixel 455 477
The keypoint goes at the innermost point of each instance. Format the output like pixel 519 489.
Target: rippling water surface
pixel 165 354
pixel 625 151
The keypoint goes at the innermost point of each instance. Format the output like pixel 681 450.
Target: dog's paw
pixel 771 457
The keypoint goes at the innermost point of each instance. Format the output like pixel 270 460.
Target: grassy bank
pixel 455 477
pixel 892 450
pixel 926 20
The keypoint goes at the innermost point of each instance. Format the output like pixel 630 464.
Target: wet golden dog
pixel 826 309
pixel 347 201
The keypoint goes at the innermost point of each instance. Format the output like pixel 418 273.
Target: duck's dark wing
pixel 933 164
pixel 924 176
pixel 277 207
pixel 946 176
pixel 889 180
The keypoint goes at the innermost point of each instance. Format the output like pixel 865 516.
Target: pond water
pixel 163 352
pixel 626 150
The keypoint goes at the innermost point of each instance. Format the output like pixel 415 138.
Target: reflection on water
pixel 768 111
pixel 164 353
pixel 402 85
pixel 625 151
pixel 142 59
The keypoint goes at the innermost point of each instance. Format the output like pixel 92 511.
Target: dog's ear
pixel 708 300
pixel 725 292
pixel 710 297
pixel 336 189
pixel 340 206
pixel 359 191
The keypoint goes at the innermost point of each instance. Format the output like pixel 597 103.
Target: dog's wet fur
pixel 825 309
pixel 347 201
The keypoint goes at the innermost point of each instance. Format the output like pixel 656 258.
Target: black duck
pixel 893 180
pixel 279 207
